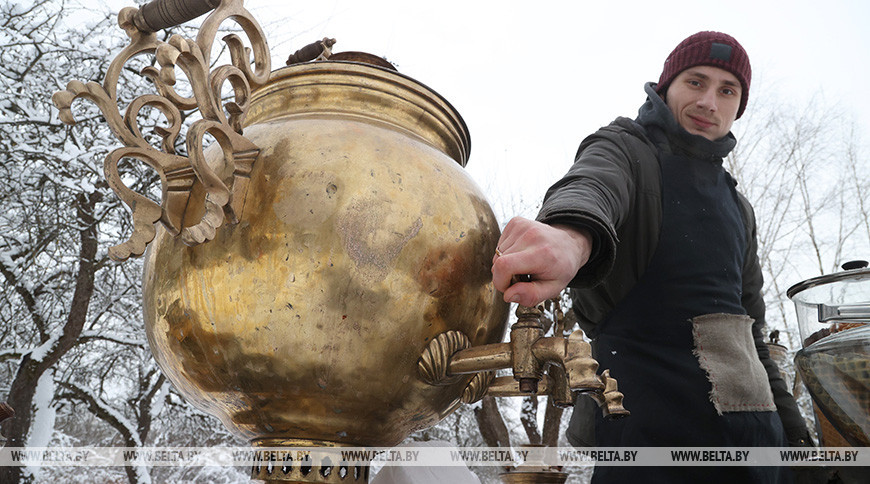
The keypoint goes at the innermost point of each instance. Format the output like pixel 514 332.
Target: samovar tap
pixel 557 366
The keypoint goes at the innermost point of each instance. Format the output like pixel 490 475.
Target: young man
pixel 660 251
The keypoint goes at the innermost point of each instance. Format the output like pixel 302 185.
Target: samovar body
pixel 360 240
pixel 320 274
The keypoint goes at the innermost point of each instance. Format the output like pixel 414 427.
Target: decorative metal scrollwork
pixel 222 119
pixel 435 360
pixel 477 387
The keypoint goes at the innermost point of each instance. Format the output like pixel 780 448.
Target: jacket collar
pixel 665 132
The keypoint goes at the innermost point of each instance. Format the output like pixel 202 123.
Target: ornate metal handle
pixel 224 191
pixel 161 14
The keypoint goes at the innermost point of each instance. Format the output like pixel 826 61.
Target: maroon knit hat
pixel 709 49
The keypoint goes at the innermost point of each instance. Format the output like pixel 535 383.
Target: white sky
pixel 531 79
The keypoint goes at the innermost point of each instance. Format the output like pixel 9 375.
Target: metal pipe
pixel 551 350
pixel 495 356
pixel 557 387
pixel 507 386
pixel 524 333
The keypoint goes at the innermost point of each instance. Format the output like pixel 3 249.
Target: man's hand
pixel 551 255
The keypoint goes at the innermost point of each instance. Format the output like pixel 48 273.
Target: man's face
pixel 705 100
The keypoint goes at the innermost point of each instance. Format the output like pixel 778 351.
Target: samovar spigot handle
pixel 610 400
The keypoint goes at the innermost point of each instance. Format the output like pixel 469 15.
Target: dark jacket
pixel 614 190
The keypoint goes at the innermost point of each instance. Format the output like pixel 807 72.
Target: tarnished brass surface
pixel 527 368
pixel 610 400
pixel 477 387
pixel 533 470
pixel 481 358
pixel 301 472
pixel 539 477
pixel 313 467
pixel 434 362
pixel 321 273
pixel 840 387
pixel 361 240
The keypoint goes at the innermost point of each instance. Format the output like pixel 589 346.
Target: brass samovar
pixel 320 274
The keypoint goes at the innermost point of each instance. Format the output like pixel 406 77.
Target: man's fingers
pixel 507 266
pixel 531 293
pixel 501 274
pixel 550 254
pixel 514 229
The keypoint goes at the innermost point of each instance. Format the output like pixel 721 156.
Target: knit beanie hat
pixel 709 49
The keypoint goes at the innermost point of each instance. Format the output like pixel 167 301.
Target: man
pixel 660 251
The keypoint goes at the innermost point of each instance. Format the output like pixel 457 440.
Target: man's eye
pixel 728 91
pixel 694 82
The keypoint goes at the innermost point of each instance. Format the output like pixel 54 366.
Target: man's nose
pixel 707 100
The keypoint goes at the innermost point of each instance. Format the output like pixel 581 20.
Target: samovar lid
pixel 362 57
pixel 832 302
pixel 858 275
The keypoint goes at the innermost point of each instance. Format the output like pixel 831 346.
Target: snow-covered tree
pixel 73 346
pixel 802 165
pixel 52 204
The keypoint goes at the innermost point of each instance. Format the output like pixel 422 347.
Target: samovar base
pixel 534 477
pixel 283 463
pixel 315 472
